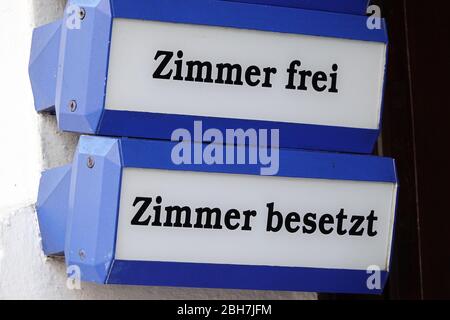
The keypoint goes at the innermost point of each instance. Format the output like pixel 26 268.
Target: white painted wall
pixel 31 143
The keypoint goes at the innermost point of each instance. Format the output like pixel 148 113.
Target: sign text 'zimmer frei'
pixel 160 65
pixel 171 67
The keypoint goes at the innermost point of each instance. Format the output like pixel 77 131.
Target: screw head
pixel 82 13
pixel 90 162
pixel 72 105
pixel 82 254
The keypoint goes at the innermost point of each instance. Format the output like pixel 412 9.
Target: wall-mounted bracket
pixel 43 66
pixel 52 208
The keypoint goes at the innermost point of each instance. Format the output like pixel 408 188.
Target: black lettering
pixel 208 220
pixel 317 78
pixel 291 218
pixel 199 66
pixel 251 72
pixel 178 217
pixel 303 75
pixel 179 67
pixel 136 221
pixel 333 76
pixel 356 229
pixel 292 71
pixel 370 220
pixel 167 57
pixel 324 221
pixel 270 215
pixel 309 221
pixel 267 79
pixel 340 223
pixel 247 216
pixel 231 215
pixel 157 219
pixel 221 67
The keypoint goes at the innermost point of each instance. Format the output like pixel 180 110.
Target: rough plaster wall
pixel 19 155
pixel 25 273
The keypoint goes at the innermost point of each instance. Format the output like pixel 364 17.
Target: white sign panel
pixel 177 216
pixel 173 68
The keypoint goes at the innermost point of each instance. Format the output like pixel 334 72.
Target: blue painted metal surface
pixel 293 163
pixel 297 136
pixel 83 64
pixel 344 6
pixel 198 275
pixel 93 206
pixel 84 54
pixel 52 208
pixel 254 17
pixel 43 66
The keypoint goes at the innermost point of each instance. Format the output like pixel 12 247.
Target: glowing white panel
pixel 132 85
pixel 257 246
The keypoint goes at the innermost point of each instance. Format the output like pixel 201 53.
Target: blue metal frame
pixel 293 163
pixel 52 207
pixel 344 6
pixel 296 136
pixel 249 16
pixel 84 59
pixel 197 275
pixel 93 206
pixel 43 65
pixel 83 62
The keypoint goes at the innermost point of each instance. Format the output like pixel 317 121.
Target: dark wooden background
pixel 416 126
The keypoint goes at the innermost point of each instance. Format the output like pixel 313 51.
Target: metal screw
pixel 82 13
pixel 72 105
pixel 90 162
pixel 82 254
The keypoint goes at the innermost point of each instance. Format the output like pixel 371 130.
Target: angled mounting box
pixel 128 215
pixel 144 68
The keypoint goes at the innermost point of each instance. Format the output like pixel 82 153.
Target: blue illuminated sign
pixel 124 213
pixel 206 167
pixel 113 68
